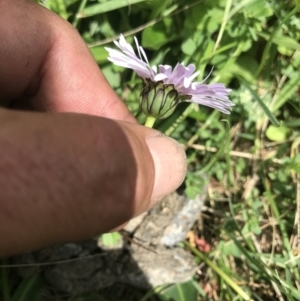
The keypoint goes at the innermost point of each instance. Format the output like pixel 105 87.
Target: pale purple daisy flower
pixel 165 87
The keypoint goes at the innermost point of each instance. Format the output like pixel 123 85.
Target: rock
pixel 147 256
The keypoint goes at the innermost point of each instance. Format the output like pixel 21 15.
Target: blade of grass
pixel 30 289
pixel 285 239
pixel 207 57
pixel 217 270
pixel 154 291
pixel 279 40
pixel 223 25
pixel 80 8
pixel 287 251
pixel 262 104
pixel 105 7
pixel 265 270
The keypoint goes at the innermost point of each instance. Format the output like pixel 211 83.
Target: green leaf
pixel 159 7
pixel 188 47
pixel 195 184
pixel 30 289
pixel 99 54
pixel 254 225
pixel 242 5
pixel 101 8
pixel 111 239
pixel 278 134
pixel 197 18
pixel 292 123
pixel 112 77
pixel 283 41
pixel 155 36
pixel 247 64
pixel 214 20
pixel 238 70
pixel 285 51
pixel 186 291
pixel 57 6
pixel 259 9
pixel 229 249
pixel 275 31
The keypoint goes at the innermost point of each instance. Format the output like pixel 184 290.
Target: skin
pixel 74 163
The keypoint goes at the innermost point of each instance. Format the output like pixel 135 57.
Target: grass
pixel 251 222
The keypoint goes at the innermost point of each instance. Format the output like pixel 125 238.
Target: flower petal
pixel 127 58
pixel 180 77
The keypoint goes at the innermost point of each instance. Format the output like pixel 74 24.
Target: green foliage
pixel 30 289
pixel 180 292
pixel 278 134
pixel 111 239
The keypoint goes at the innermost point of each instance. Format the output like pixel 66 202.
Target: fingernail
pixel 170 165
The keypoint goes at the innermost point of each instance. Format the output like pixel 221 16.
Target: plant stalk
pixel 150 121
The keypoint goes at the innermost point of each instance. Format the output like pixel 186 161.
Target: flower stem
pixel 150 121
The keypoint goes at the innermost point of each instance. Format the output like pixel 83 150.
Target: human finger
pixel 43 60
pixel 75 176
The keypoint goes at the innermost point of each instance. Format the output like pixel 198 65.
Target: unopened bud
pixel 159 100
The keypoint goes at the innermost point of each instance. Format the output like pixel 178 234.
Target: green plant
pixel 252 165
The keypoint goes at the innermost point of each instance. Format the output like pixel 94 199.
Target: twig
pixel 238 154
pixel 125 236
pixel 250 184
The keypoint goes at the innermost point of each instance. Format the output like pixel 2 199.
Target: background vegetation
pixel 251 223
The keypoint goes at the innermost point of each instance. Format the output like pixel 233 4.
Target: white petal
pixel 128 59
pixel 159 77
pixel 165 69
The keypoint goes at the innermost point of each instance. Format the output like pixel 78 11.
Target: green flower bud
pixel 159 100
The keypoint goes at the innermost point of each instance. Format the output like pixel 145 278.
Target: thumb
pixel 69 177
